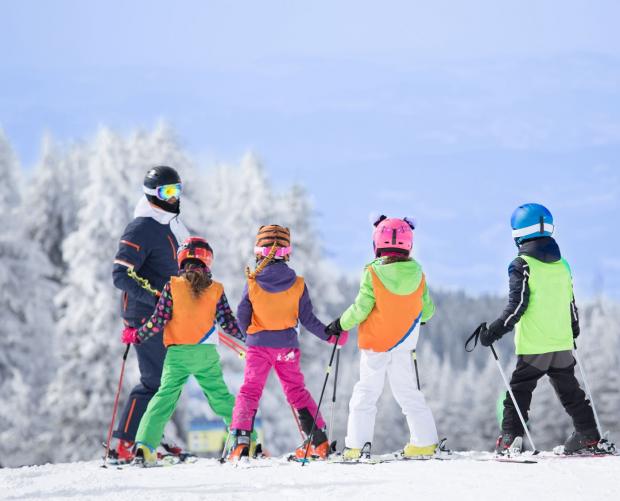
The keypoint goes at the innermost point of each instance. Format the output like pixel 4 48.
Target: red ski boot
pixel 124 453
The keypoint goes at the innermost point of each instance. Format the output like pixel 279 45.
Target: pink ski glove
pixel 130 336
pixel 341 339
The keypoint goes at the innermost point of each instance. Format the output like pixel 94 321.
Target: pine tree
pixel 82 391
pixel 25 326
pixel 51 201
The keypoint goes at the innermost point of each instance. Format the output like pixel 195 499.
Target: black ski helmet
pixel 160 176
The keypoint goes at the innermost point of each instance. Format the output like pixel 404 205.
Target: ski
pixel 604 448
pixel 166 459
pixel 502 459
pixel 260 462
pixel 522 458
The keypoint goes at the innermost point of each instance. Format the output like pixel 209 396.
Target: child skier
pixel 541 308
pixel 392 303
pixel 275 299
pixel 187 312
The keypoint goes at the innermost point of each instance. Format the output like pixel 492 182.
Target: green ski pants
pixel 203 362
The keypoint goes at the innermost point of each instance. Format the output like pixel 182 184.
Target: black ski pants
pixel 560 367
pixel 151 357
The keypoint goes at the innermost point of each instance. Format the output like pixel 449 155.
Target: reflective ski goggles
pixel 165 192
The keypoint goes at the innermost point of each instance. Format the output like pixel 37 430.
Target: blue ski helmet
pixel 531 221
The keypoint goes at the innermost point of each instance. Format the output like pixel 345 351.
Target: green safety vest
pixel 545 326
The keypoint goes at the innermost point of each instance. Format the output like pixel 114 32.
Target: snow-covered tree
pixel 52 198
pixel 25 328
pixel 82 391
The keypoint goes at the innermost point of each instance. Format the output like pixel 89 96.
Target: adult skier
pixel 148 247
pixel 541 308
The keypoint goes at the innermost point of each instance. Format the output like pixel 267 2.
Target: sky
pixel 451 112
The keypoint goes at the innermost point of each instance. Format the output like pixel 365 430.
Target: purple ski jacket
pixel 278 277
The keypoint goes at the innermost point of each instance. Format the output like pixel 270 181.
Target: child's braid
pixel 252 274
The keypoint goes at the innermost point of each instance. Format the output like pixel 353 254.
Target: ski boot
pixel 176 451
pixel 413 451
pixel 123 454
pixel 352 454
pixel 582 441
pixel 319 451
pixel 509 444
pixel 145 456
pixel 241 446
pixel 319 448
pixel 257 451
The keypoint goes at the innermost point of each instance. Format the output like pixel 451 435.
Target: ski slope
pixel 580 479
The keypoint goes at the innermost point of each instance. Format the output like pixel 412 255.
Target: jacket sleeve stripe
pixel 124 263
pixel 525 277
pixel 131 244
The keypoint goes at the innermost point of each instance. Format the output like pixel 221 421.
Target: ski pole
pixel 588 391
pixel 296 417
pixel 225 449
pixel 331 417
pixel 414 355
pixel 118 392
pixel 318 407
pixel 514 400
pixel 229 343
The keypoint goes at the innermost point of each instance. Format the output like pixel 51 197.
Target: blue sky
pixel 452 112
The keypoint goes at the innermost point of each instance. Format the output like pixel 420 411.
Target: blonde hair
pixel 261 266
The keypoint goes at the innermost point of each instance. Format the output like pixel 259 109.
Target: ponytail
pixel 261 266
pixel 199 279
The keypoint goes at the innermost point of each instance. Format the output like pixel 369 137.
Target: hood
pixel 402 277
pixel 146 209
pixel 276 277
pixel 544 249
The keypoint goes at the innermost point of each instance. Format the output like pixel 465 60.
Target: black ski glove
pixel 334 329
pixel 492 333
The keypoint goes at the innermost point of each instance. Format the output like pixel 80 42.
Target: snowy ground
pixel 550 479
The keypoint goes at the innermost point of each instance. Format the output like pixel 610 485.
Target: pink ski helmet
pixel 393 236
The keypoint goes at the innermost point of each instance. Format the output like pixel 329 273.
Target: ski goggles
pixel 165 192
pixel 264 251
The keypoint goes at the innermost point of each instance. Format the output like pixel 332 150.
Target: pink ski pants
pixel 259 361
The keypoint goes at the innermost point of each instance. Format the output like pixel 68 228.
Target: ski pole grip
pixel 494 352
pixel 126 351
pixel 474 337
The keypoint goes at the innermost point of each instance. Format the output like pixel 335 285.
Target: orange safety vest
pixel 193 319
pixel 392 319
pixel 274 311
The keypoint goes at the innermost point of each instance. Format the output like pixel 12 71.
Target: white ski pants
pixel 363 404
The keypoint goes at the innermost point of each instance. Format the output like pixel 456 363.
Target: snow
pixel 551 479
